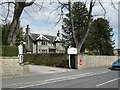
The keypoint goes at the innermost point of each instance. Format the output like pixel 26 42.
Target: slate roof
pixel 51 38
pixel 35 36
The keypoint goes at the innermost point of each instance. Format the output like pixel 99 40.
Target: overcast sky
pixel 41 21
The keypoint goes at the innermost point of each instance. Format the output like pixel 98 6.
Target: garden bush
pixel 56 60
pixel 9 50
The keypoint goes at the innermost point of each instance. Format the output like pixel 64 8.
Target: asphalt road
pixel 89 78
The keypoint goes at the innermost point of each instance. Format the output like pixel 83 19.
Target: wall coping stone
pixel 9 57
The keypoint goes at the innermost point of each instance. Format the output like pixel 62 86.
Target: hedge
pixel 57 60
pixel 9 50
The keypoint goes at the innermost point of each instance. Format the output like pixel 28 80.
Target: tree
pixel 19 36
pixel 5 32
pixel 78 38
pixel 18 9
pixel 19 6
pixel 81 30
pixel 80 42
pixel 80 19
pixel 99 40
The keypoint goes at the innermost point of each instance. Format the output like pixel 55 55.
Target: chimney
pixel 27 36
pixel 58 34
pixel 27 30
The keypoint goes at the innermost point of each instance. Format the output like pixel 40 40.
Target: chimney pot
pixel 58 34
pixel 27 29
pixel 27 26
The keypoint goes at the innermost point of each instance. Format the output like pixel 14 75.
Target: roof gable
pixel 42 37
pixel 58 39
pixel 45 37
pixel 51 38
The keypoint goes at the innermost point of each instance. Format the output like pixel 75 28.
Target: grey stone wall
pixel 11 67
pixel 96 61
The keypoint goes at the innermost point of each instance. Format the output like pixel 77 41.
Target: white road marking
pixel 63 79
pixel 70 77
pixel 56 79
pixel 47 79
pixel 107 82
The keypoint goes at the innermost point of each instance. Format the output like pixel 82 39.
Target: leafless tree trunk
pixel 80 43
pixel 88 23
pixel 18 9
pixel 14 24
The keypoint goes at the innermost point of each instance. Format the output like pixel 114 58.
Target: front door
pixel 72 61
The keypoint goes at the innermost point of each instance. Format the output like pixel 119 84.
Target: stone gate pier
pixel 10 67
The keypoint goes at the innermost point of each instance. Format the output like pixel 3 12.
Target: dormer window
pixel 39 43
pixel 57 44
pixel 44 43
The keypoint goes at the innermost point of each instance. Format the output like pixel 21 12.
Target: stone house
pixel 40 43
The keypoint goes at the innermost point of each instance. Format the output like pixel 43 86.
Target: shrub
pixel 9 50
pixel 57 60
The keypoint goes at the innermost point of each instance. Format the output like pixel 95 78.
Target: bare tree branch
pixel 51 2
pixel 63 5
pixel 41 7
pixel 97 15
pixel 26 12
pixel 2 17
pixel 103 8
pixel 55 9
pixel 60 18
pixel 86 2
pixel 72 23
pixel 113 5
pixel 6 3
pixel 38 6
pixel 8 11
pixel 29 3
pixel 88 23
pixel 94 3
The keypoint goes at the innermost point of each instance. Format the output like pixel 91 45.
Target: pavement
pixel 41 70
pixel 36 69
